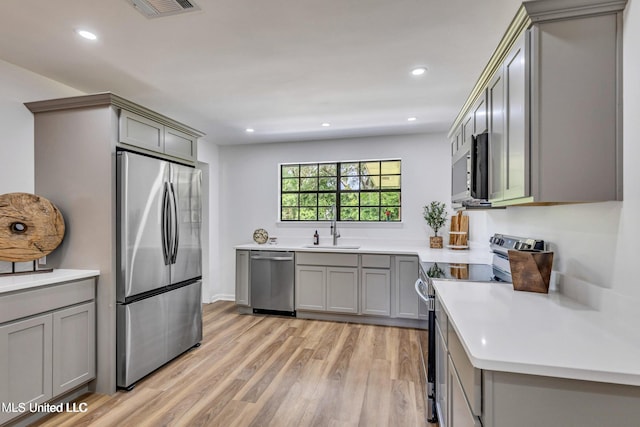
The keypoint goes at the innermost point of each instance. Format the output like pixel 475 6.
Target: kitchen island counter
pixel 539 334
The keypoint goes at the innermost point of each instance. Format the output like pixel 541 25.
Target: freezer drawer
pixel 152 331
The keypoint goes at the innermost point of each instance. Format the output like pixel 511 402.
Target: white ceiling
pixel 281 67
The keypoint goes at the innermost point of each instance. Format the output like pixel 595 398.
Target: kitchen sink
pixel 332 246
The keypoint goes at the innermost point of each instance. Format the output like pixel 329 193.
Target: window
pixel 366 190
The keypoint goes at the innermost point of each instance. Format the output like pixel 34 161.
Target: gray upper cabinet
pixel 497 148
pixel 142 132
pixel 552 91
pixel 514 157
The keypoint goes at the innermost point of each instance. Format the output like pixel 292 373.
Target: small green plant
pixel 436 215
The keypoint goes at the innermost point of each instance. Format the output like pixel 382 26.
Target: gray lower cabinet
pixel 327 282
pixel 26 365
pixel 332 289
pixel 468 396
pixel 243 296
pixel 342 289
pixel 406 272
pixel 47 344
pixel 74 347
pixel 311 288
pixel 376 291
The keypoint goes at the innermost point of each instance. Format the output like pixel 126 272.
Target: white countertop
pixel 26 281
pixel 469 256
pixel 540 334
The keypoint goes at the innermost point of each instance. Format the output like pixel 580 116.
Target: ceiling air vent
pixel 158 8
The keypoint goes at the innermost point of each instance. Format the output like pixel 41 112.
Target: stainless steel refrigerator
pixel 158 292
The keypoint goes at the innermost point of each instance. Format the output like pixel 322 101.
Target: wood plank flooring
pixel 274 371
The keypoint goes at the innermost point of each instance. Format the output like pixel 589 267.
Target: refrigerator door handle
pixel 176 228
pixel 166 232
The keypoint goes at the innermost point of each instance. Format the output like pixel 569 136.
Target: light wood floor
pixel 274 371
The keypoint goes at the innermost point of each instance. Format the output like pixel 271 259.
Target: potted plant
pixel 436 216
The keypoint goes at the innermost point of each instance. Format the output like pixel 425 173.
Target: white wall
pixel 18 86
pixel 208 154
pixel 598 242
pixel 249 188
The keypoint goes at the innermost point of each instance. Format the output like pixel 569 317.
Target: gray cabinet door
pixel 442 378
pixel 25 363
pixel 479 111
pixel 460 415
pixel 179 144
pixel 342 289
pixel 407 302
pixel 311 288
pixel 516 166
pixel 376 291
pixel 242 278
pixel 141 132
pixel 496 100
pixel 74 347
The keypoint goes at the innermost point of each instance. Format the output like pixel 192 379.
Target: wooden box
pixel 531 270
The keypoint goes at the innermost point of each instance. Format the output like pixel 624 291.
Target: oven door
pixel 425 293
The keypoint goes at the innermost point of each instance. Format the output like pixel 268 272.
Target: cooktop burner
pixel 457 271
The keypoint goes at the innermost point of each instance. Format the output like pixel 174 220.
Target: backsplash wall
pixel 597 242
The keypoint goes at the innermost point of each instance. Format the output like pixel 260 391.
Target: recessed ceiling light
pixel 86 34
pixel 419 71
pixel 326 125
pixel 249 130
pixel 412 119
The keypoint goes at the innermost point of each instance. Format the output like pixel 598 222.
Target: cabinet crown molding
pixel 530 13
pixel 108 98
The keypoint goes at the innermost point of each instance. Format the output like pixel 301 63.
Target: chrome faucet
pixel 334 226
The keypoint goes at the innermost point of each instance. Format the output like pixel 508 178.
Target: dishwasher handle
pixel 272 258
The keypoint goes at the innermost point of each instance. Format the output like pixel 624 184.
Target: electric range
pixel 498 270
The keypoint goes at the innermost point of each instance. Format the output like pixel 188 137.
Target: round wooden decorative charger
pixel 30 227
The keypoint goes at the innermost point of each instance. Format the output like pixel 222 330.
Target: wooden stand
pixel 458 236
pixel 34 271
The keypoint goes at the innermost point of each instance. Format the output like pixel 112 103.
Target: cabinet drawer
pixel 470 377
pixel 46 298
pixel 326 259
pixel 376 261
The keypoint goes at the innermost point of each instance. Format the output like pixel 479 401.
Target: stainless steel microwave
pixel 470 171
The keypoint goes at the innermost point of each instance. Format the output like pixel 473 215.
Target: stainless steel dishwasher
pixel 272 282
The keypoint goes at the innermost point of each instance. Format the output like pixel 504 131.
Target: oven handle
pixel 429 300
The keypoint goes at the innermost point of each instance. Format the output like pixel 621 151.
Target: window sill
pixel 341 224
